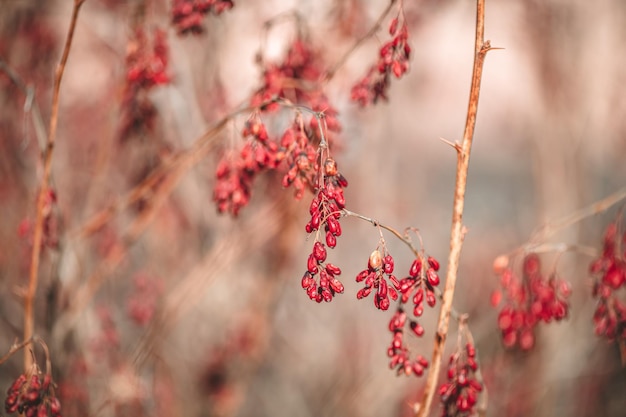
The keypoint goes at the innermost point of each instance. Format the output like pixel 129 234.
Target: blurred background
pixel 167 308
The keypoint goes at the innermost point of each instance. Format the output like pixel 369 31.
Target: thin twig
pixel 403 238
pixel 15 348
pixel 331 72
pixel 481 47
pixel 29 296
pixel 550 228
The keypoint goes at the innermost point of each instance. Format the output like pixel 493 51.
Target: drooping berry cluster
pixel 146 63
pixel 374 278
pixel 393 59
pixel 460 394
pixel 325 212
pixel 236 173
pixel 188 15
pixel 421 281
pixel 33 396
pixel 399 352
pixel 528 301
pixel 609 275
pixel 293 83
pixel 329 285
pixel 300 156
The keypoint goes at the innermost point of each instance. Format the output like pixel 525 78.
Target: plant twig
pixel 29 295
pixel 552 227
pixel 457 232
pixel 331 72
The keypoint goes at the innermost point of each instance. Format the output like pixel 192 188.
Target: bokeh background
pixel 227 329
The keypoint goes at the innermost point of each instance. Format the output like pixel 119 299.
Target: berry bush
pixel 202 200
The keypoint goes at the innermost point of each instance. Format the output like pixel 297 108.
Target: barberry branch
pixel 481 47
pixel 29 295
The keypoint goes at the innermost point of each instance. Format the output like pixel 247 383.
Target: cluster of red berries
pixel 325 211
pixel 187 15
pixel 420 284
pixel 398 351
pixel 609 275
pixel 374 278
pixel 393 59
pixel 236 173
pixel 300 156
pixel 528 301
pixel 33 397
pixel 146 62
pixel 329 285
pixel 296 81
pixel 460 394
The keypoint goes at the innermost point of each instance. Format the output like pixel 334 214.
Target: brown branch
pixel 29 295
pixel 457 232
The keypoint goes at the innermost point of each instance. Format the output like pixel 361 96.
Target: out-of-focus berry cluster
pixel 459 394
pixel 295 82
pixel 146 68
pixel 236 173
pixel 528 300
pixel 393 59
pixel 320 279
pixel 188 15
pixel 609 276
pixel 33 396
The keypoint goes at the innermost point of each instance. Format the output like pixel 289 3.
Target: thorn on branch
pixel 454 145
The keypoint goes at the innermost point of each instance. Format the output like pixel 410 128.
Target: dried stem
pixel 600 206
pixel 457 233
pixel 29 295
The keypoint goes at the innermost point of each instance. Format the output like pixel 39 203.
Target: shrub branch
pixel 458 231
